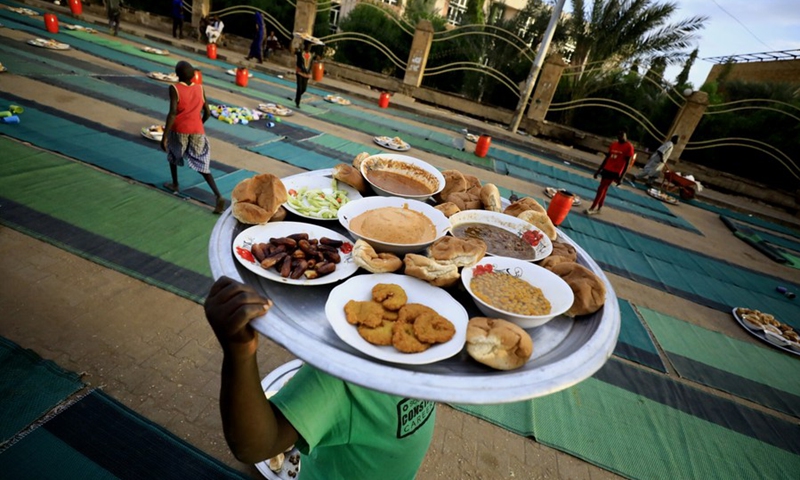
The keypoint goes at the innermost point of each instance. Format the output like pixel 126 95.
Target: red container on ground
pixel 76 7
pixel 241 77
pixel 482 146
pixel 198 76
pixel 559 206
pixel 317 71
pixel 51 22
pixel 383 101
pixel 211 51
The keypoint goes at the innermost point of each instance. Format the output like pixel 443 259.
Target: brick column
pixel 304 17
pixel 200 9
pixel 545 88
pixel 418 56
pixel 686 121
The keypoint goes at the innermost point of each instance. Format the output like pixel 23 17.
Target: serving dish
pixel 659 195
pixel 163 77
pixel 554 289
pixel 49 44
pixel 355 208
pixel 153 132
pixel 79 28
pixel 309 38
pixel 392 143
pixel 405 166
pixel 262 233
pixel 508 223
pixel 155 51
pixel 565 351
pixel 317 180
pixel 271 384
pixel 758 332
pixel 418 291
pixel 337 100
pixel 275 109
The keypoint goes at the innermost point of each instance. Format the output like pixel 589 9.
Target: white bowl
pixel 506 222
pixel 407 166
pixel 355 208
pixel 776 339
pixel 554 288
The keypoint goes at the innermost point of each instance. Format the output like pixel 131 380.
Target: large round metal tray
pixel 566 351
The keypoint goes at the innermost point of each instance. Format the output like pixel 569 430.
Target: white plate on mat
pixel 155 51
pixel 397 144
pixel 776 341
pixel 50 44
pixel 551 192
pixel 275 109
pixel 163 77
pixel 271 384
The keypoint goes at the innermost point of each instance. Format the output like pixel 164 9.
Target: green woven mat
pixel 29 387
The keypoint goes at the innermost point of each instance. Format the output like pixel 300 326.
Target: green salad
pixel 317 202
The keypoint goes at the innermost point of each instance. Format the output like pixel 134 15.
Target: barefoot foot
pixel 220 205
pixel 172 188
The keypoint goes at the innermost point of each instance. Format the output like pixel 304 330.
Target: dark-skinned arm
pixel 206 109
pixel 173 111
pixel 254 429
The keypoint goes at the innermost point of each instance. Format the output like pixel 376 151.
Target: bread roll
pixel 255 200
pixel 250 213
pixel 523 205
pixel 554 260
pixel 498 343
pixel 349 175
pixel 428 269
pixel 465 201
pixel 564 250
pixel 453 183
pixel 473 184
pixel 360 158
pixel 448 208
pixel 279 215
pixel 490 198
pixel 541 221
pixel 367 258
pixel 461 252
pixel 589 291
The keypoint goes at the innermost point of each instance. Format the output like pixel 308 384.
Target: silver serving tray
pixel 566 351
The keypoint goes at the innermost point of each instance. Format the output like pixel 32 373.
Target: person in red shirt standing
pixel 184 134
pixel 612 169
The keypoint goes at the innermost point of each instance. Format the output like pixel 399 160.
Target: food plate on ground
pixel 418 292
pixel 51 44
pixel 551 192
pixel 337 100
pixel 275 109
pixel 24 11
pixel 392 143
pixel 768 329
pixel 309 38
pixel 163 77
pixel 504 235
pixel 232 71
pixel 289 468
pixel 258 234
pixel 471 137
pixel 80 28
pixel 316 195
pixel 659 195
pixel 155 51
pixel 153 132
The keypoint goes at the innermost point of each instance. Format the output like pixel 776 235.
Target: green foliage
pixel 474 13
pixel 681 81
pixel 381 26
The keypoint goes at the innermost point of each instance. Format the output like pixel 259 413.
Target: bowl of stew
pixel 518 291
pixel 394 175
pixel 504 235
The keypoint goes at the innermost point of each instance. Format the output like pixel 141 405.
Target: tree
pixel 683 77
pixel 474 14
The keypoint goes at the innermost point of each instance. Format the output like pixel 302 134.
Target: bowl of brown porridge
pixel 394 175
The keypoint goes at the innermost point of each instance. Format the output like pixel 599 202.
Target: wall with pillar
pixel 687 119
pixel 200 9
pixel 304 16
pixel 546 87
pixel 418 55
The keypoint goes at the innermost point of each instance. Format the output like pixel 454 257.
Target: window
pixel 334 17
pixel 455 11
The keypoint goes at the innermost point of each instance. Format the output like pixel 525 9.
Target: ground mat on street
pixel 99 438
pixel 641 424
pixel 634 342
pixel 679 271
pixel 29 388
pixel 760 374
pixel 144 233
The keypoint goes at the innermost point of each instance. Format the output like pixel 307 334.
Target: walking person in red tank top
pixel 612 169
pixel 184 135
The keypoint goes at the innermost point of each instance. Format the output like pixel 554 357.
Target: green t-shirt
pixel 349 432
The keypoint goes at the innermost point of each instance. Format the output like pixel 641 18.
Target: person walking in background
pixel 657 161
pixel 113 11
pixel 177 18
pixel 302 70
pixel 257 45
pixel 184 134
pixel 612 169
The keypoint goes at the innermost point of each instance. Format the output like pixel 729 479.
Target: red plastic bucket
pixel 559 206
pixel 76 7
pixel 198 76
pixel 383 102
pixel 51 22
pixel 482 146
pixel 211 51
pixel 317 71
pixel 241 77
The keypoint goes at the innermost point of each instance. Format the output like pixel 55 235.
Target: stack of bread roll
pixel 259 199
pixel 588 289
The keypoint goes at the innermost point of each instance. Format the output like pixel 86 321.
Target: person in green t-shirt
pixel 341 430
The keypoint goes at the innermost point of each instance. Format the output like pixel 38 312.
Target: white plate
pixel 51 44
pixel 262 233
pixel 310 38
pixel 146 133
pixel 418 291
pixel 387 142
pixel 80 28
pixel 320 179
pixel 337 100
pixel 271 384
pixel 163 77
pixel 275 109
pixel 551 192
pixel 779 342
pixel 506 222
pixel 659 195
pixel 155 51
pixel 471 137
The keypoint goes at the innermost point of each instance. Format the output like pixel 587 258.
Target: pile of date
pixel 297 255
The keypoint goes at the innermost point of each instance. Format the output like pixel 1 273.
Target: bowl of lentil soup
pixel 504 235
pixel 518 291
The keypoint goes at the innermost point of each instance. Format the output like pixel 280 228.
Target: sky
pixel 738 27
